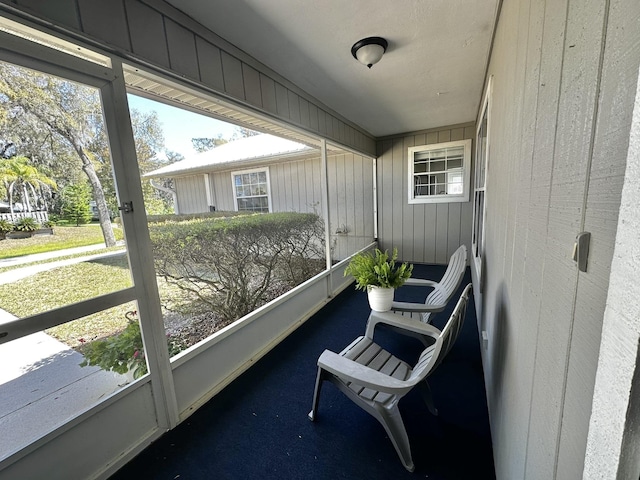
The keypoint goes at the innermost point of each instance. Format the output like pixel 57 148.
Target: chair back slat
pixel 454 325
pixel 450 281
pixel 433 355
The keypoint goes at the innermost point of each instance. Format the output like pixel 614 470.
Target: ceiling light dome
pixel 369 51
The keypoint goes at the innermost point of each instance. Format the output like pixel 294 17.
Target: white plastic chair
pixel 437 300
pixel 376 380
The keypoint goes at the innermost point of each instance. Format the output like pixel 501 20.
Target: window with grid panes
pixel 439 173
pixel 251 190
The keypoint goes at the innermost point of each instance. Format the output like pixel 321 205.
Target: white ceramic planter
pixel 380 299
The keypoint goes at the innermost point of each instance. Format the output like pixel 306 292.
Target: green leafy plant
pixel 26 224
pixel 5 227
pixel 124 351
pixel 378 269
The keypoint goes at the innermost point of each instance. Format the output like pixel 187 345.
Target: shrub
pixel 5 227
pixel 26 224
pixel 236 264
pixel 169 217
pixel 124 351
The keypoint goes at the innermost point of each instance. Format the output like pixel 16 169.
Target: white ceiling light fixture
pixel 369 51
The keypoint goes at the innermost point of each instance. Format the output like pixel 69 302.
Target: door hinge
pixel 126 207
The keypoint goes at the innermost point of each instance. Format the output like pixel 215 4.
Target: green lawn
pixel 63 237
pixel 65 285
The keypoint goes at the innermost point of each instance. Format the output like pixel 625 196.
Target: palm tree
pixel 19 176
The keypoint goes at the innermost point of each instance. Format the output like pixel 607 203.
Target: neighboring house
pixel 264 173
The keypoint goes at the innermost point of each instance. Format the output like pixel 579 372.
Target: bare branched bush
pixel 234 265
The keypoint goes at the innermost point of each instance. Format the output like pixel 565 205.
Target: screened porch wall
pixel 157 34
pixel 422 232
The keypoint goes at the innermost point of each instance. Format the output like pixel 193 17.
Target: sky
pixel 180 126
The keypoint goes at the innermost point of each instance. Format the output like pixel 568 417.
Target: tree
pixel 76 203
pixel 63 113
pixel 242 132
pixel 206 144
pixel 23 180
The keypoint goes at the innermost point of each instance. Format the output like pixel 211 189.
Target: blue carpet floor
pixel 257 428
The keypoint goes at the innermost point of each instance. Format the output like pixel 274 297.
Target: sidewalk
pixel 23 272
pixel 42 384
pixel 36 257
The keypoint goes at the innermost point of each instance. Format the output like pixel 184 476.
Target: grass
pixel 63 237
pixel 66 285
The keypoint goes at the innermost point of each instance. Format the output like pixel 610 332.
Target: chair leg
pixel 393 424
pixel 425 390
pixel 316 393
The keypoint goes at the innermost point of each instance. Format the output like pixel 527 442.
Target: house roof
pixel 258 147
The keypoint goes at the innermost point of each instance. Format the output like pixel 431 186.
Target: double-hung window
pixel 440 172
pixel 251 190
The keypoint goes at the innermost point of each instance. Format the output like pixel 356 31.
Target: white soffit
pixel 151 86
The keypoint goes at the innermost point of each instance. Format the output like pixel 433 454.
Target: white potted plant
pixel 378 275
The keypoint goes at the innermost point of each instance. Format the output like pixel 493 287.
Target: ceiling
pixel 431 75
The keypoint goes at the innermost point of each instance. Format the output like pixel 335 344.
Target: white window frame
pixel 442 198
pixel 252 170
pixel 480 183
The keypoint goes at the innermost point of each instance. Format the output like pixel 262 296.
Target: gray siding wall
pixel 350 180
pixel 564 76
pixel 423 233
pixel 192 195
pixel 157 34
pixel 296 187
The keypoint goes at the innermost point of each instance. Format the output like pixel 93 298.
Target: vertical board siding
pixel 423 233
pixel 558 136
pixel 252 88
pixel 233 80
pixel 182 50
pixel 61 12
pixel 210 64
pixel 115 31
pixel 268 90
pixel 144 40
pixel 192 196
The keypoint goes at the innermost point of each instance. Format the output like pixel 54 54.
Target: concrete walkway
pixel 41 382
pixel 23 272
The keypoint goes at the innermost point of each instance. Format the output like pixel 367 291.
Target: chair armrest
pixel 351 371
pixel 417 307
pixel 400 321
pixel 420 282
